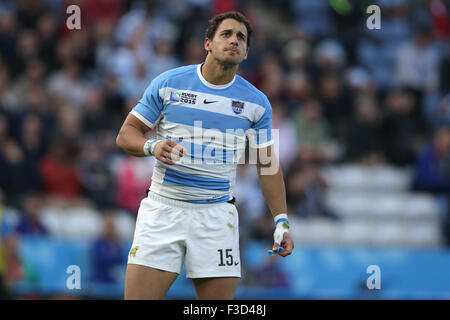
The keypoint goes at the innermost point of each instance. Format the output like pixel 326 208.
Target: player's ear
pixel 246 54
pixel 207 44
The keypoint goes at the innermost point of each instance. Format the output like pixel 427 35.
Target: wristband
pixel 149 146
pixel 283 219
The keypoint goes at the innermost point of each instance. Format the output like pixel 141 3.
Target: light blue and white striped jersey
pixel 213 123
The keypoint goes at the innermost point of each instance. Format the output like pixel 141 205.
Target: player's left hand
pixel 287 244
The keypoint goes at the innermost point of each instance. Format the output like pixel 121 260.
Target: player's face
pixel 229 45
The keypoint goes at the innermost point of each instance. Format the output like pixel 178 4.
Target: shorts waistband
pixel 183 204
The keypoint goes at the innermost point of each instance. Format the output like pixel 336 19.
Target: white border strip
pixel 210 85
pixel 140 117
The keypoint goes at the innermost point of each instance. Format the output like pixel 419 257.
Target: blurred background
pixel 364 125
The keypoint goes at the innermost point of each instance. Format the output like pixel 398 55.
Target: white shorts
pixel 204 236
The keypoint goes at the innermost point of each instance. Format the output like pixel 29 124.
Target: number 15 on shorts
pixel 226 258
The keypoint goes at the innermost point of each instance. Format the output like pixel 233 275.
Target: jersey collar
pixel 210 85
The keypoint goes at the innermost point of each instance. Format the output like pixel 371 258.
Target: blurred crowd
pixel 340 93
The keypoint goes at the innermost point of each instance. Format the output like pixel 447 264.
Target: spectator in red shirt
pixel 59 171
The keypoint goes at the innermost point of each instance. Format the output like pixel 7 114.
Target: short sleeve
pixel 260 132
pixel 149 108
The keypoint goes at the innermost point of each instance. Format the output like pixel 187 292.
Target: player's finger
pixel 171 143
pixel 177 151
pixel 288 246
pixel 166 147
pixel 173 147
pixel 274 252
pixel 165 157
pixel 169 155
pixel 275 249
pixel 275 246
pixel 183 150
pixel 167 161
pixel 285 252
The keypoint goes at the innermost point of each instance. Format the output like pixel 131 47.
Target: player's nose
pixel 234 40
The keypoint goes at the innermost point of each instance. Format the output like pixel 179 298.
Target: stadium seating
pixel 375 207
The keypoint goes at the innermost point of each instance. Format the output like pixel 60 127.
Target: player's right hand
pixel 168 151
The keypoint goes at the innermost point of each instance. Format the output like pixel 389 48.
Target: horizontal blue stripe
pixel 221 199
pixel 172 177
pixel 210 120
pixel 281 220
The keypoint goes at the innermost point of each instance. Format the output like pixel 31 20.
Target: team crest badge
pixel 133 251
pixel 237 106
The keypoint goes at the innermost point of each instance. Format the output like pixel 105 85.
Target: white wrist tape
pixel 282 226
pixel 149 146
pixel 282 217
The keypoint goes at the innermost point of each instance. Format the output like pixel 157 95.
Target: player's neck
pixel 216 73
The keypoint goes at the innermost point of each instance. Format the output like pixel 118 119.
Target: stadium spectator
pixel 364 137
pixel 432 169
pixel 27 48
pixel 305 188
pixel 298 88
pixel 96 179
pixel 9 29
pixel 271 77
pixel 59 173
pixel 438 111
pixel 106 252
pixel 94 115
pixel 132 181
pixel 47 32
pixel 336 102
pixel 404 127
pixel 32 77
pixel 314 18
pixel 32 136
pixel 30 220
pixel 68 84
pixel 20 174
pixel 313 135
pixel 417 63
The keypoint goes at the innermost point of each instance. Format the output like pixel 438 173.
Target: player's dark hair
pixel 215 21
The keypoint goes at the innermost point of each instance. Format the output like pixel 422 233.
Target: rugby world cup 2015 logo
pixel 175 97
pixel 237 106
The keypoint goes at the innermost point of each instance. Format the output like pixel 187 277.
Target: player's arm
pixel 132 140
pixel 273 189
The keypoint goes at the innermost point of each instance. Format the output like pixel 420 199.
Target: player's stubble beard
pixel 224 64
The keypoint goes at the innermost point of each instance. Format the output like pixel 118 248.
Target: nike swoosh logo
pixel 208 102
